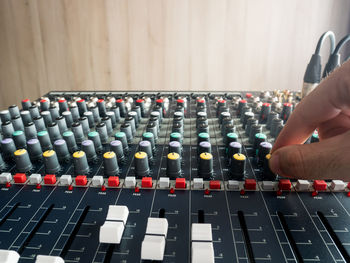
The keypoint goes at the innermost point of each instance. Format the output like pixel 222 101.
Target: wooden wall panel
pixel 160 44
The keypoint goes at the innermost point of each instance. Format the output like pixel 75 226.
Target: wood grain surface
pixel 160 44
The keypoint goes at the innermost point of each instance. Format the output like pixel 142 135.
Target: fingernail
pixel 274 164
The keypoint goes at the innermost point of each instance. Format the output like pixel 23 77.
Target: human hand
pixel 326 109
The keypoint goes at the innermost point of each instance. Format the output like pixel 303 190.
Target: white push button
pixel 35 178
pixel 202 252
pixel 111 232
pixel 198 183
pixel 130 181
pixel 48 259
pixel 268 185
pixel 97 180
pixel 233 185
pixel 118 213
pixel 8 256
pixel 164 182
pixel 66 179
pixel 201 232
pixel 152 247
pixel 5 178
pixel 337 185
pixel 303 185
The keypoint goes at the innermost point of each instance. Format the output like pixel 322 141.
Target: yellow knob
pixel 206 156
pixel 268 156
pixel 239 157
pixel 20 152
pixel 173 156
pixel 140 155
pixel 108 155
pixel 49 153
pixel 79 154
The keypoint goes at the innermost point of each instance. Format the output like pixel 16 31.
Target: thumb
pixel 327 159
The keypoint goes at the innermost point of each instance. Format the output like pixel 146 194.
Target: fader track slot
pixel 74 232
pixel 334 237
pixel 35 228
pixel 9 213
pixel 109 253
pixel 290 237
pixel 247 242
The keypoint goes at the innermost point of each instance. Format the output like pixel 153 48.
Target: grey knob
pixel 54 131
pixel 95 137
pixel 39 123
pixel 44 140
pixel 51 163
pixel 7 129
pixel 68 117
pixel 78 132
pixel 68 136
pixel 61 150
pixel 102 131
pixel 81 166
pixel 8 147
pixel 173 165
pixel 17 123
pixel 89 148
pixel 141 164
pixel 117 147
pixel 20 139
pixel 23 163
pixel 110 163
pixel 34 149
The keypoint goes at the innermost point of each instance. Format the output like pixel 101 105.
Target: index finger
pixel 330 98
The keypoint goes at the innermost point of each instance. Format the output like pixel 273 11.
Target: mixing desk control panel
pixel 169 177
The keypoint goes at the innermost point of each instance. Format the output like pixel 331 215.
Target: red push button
pixel 146 182
pixel 285 184
pixel 25 100
pixel 50 179
pixel 248 95
pixel 61 100
pixel 139 100
pixel 100 100
pixel 20 178
pixel 201 101
pixel 250 184
pixel 242 101
pixel 221 101
pixel 81 180
pixel 113 181
pixel 119 100
pixel 214 184
pixel 81 101
pixel 159 100
pixel 180 183
pixel 320 185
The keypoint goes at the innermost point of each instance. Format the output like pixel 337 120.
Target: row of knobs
pixel 261 147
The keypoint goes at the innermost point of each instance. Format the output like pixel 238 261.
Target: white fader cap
pixel 9 256
pixel 112 230
pixel 48 259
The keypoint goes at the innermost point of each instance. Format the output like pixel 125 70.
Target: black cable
pixel 313 71
pixel 331 36
pixel 334 58
pixel 341 43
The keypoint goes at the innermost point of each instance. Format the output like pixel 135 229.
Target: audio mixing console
pixel 171 177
